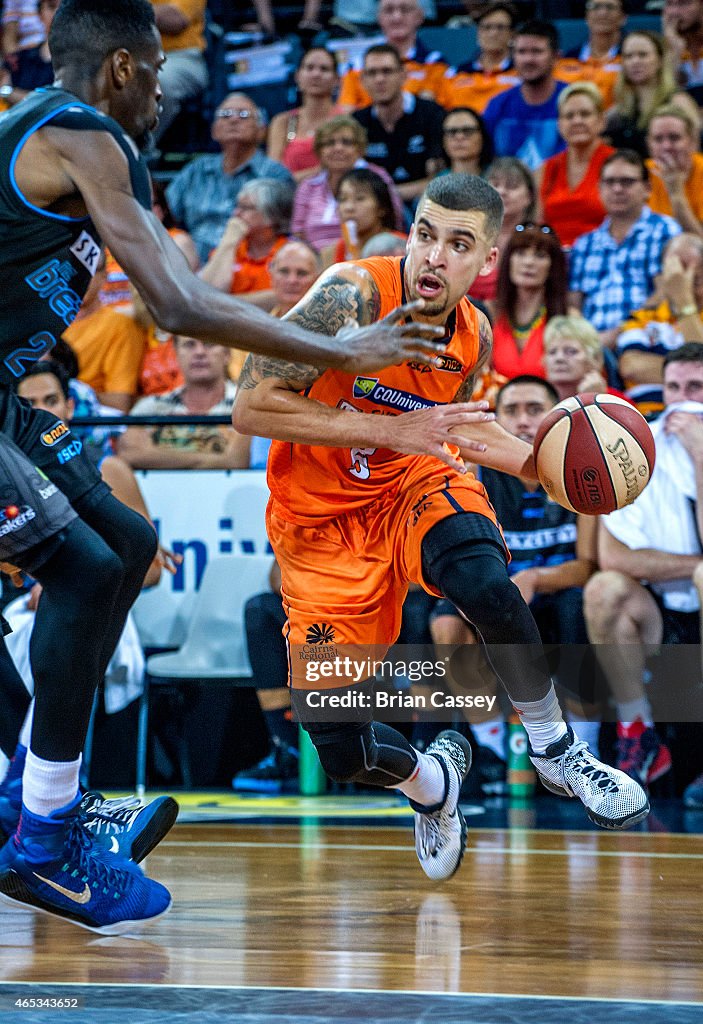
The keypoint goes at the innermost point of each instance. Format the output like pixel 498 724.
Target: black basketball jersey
pixel 536 529
pixel 47 259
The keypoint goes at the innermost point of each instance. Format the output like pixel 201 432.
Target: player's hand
pixel 33 599
pixel 391 341
pixel 168 560
pixel 688 427
pixel 429 431
pixel 526 582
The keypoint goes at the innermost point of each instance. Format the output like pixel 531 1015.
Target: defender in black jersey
pixel 70 176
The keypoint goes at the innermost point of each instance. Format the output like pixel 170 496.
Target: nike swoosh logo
pixel 75 897
pixel 114 845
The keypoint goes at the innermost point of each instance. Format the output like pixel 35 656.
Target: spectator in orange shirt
pixel 568 182
pixel 399 21
pixel 598 59
pixel 109 346
pixel 675 167
pixel 490 72
pixel 255 232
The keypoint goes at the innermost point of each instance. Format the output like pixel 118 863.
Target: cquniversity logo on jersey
pixel 372 390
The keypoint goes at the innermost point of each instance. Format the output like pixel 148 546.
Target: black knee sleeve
pixel 467 562
pixel 373 754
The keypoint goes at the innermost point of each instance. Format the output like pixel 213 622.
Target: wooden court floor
pixel 590 915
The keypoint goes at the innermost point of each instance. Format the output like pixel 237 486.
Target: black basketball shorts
pixel 51 446
pixel 32 508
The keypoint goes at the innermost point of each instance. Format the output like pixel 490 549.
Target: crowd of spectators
pixel 596 153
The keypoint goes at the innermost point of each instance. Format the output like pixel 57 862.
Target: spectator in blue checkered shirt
pixel 613 268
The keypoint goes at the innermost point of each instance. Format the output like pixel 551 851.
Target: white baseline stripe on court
pixel 363 847
pixel 352 991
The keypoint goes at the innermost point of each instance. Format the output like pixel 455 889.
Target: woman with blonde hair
pixel 647 79
pixel 568 182
pixel 573 357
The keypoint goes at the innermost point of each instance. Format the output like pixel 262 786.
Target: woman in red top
pixel 365 209
pixel 532 286
pixel 568 182
pixel 291 134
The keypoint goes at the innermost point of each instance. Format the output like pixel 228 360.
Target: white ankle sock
pixel 588 731
pixel 426 785
pixel 491 734
pixel 542 720
pixel 26 732
pixel 48 785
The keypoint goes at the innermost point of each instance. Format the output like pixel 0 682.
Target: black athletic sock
pixel 280 728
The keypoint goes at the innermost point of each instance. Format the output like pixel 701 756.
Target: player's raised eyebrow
pixel 455 232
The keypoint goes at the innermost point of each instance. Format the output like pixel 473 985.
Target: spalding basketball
pixel 594 453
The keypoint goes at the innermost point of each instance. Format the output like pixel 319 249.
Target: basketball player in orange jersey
pixel 362 504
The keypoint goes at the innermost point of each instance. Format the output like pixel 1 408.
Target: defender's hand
pixel 390 341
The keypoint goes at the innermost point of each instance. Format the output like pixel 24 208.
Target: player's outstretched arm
pixel 268 402
pixel 183 304
pixel 486 442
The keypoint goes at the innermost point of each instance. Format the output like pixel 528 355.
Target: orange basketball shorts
pixel 345 579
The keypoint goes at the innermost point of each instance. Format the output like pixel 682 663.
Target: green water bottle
pixel 311 776
pixel 521 774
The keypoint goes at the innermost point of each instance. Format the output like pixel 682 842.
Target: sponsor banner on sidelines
pixel 200 515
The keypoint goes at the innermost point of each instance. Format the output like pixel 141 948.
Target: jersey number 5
pixel 360 463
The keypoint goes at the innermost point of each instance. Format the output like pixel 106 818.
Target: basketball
pixel 594 453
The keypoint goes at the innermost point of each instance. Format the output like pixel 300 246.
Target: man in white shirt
pixel 648 589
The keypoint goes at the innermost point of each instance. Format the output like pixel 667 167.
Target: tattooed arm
pixel 268 400
pixel 501 450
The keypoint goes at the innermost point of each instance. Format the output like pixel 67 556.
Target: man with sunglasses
pixel 202 196
pixel 612 269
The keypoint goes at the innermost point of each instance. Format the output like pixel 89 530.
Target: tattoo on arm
pixel 485 347
pixel 333 302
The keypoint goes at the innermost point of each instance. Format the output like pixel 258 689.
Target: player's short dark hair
pixel 529 378
pixel 85 32
pixel 53 368
pixel 690 352
pixel 467 192
pixel 540 29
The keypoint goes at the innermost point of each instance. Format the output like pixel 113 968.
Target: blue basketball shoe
pixel 53 865
pixel 128 827
pixel 10 806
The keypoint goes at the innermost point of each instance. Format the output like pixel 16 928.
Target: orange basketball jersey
pixel 309 482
